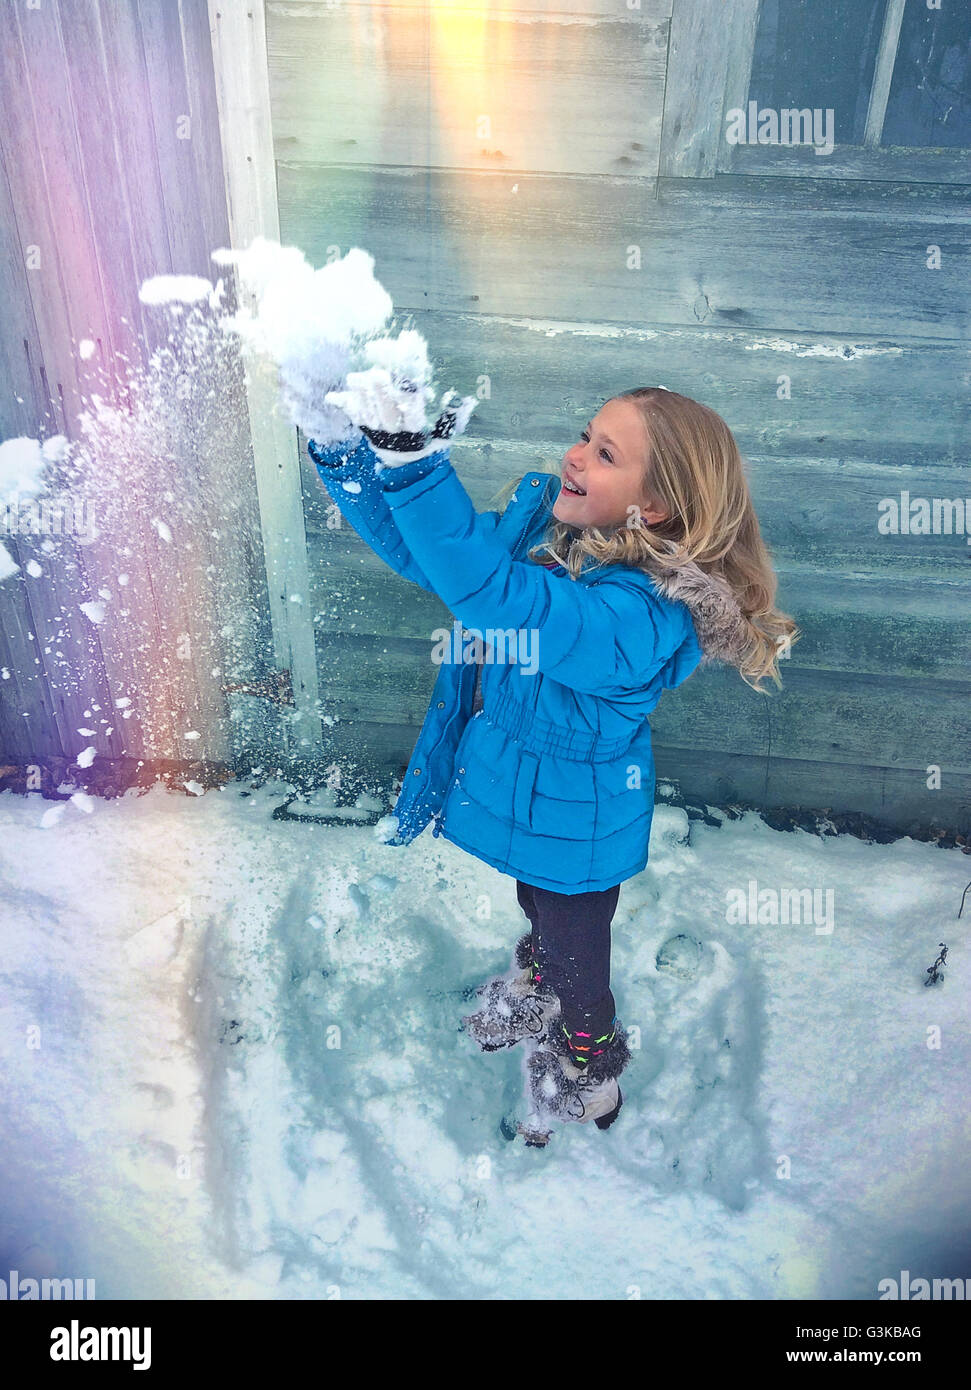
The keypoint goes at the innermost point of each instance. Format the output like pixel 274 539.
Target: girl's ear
pixel 653 516
pixel 653 512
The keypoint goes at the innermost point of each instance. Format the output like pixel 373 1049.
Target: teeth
pixel 571 487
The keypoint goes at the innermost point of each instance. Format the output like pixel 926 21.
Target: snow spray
pixel 160 488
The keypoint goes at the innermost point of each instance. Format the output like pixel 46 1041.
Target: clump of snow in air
pixel 404 357
pixel 392 361
pixel 162 462
pixel 252 1083
pixel 94 611
pixel 24 465
pixel 184 289
pixel 311 322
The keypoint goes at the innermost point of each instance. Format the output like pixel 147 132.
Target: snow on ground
pixel 233 1067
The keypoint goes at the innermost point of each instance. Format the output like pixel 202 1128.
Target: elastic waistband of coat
pixel 541 736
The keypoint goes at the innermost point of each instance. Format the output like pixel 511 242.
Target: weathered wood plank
pixel 560 93
pixel 34 117
pixel 242 91
pixel 186 656
pixel 113 214
pixel 854 717
pixel 176 132
pixel 705 78
pixel 62 281
pixel 883 71
pixel 169 675
pixel 827 512
pixel 817 713
pixel 899 402
pixel 822 512
pixel 63 646
pixel 743 253
pixel 526 12
pixel 895 165
pixel 29 723
pixel 862 623
pixel 35 70
pixel 225 589
pixel 100 69
pixel 206 144
pixel 850 622
pixel 137 170
pixel 23 399
pixel 897 796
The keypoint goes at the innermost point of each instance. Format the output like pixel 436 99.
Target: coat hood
pixel 719 622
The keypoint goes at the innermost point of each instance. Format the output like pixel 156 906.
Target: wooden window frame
pixel 700 70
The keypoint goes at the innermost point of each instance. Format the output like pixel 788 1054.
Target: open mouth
pixel 572 487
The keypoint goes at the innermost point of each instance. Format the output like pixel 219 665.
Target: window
pixel 894 74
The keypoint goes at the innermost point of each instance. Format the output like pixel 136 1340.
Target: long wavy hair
pixel 693 472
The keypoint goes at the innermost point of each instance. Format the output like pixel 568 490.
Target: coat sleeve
pixel 611 635
pixel 349 473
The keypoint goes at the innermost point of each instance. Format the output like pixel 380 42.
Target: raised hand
pixel 389 401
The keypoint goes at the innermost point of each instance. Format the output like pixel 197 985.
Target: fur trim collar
pixel 719 623
pixel 718 619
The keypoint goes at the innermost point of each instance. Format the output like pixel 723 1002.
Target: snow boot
pixel 575 1078
pixel 516 1006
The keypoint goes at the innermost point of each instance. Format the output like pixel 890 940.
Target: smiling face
pixel 607 466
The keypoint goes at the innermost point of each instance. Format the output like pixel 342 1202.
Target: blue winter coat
pixel 552 780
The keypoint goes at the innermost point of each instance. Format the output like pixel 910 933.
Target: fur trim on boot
pixel 562 1091
pixel 523 954
pixel 515 1007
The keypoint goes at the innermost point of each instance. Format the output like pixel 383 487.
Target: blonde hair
pixel 693 472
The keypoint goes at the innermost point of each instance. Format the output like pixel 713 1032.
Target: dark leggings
pixel 571 940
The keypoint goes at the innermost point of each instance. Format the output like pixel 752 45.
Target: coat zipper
pixel 438 817
pixel 529 520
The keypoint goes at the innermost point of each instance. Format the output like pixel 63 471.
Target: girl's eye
pixel 586 439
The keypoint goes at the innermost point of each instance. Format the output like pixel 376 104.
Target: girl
pixel 616 580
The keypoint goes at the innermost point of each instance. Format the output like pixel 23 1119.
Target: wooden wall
pixel 548 195
pixel 110 172
pixel 539 184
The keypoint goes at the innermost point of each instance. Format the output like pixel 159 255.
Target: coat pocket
pixel 522 799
